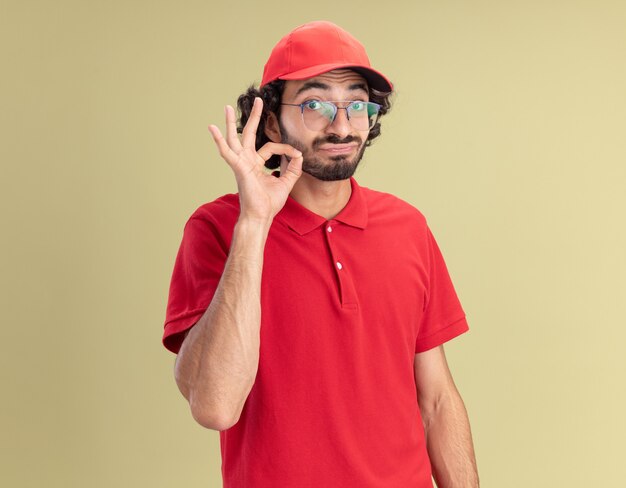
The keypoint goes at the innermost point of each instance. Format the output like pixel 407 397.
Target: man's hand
pixel 218 361
pixel 261 195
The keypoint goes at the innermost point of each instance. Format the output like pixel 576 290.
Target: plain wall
pixel 507 133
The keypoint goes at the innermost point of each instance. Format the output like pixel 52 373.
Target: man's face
pixel 332 153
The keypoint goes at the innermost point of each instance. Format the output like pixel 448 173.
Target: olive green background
pixel 507 133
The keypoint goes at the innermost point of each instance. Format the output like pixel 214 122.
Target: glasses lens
pixel 363 114
pixel 318 115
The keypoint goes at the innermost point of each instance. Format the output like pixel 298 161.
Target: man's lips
pixel 338 148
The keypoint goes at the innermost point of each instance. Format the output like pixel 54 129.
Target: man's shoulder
pixel 380 202
pixel 224 209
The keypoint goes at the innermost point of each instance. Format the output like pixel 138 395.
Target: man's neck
pixel 325 198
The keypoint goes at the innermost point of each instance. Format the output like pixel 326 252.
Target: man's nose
pixel 341 126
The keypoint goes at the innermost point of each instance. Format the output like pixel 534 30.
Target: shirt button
pixel 339 265
pixel 329 228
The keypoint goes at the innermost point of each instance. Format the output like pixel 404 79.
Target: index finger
pixel 249 131
pixel 271 148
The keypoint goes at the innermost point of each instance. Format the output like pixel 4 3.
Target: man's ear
pixel 272 129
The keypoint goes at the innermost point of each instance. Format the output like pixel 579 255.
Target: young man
pixel 309 313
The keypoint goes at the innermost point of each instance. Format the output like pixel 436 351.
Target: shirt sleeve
pixel 443 317
pixel 197 271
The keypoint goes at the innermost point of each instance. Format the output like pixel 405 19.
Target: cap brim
pixel 375 79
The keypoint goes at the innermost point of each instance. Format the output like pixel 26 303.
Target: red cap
pixel 316 48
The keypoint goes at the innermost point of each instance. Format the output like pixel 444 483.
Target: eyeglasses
pixel 318 115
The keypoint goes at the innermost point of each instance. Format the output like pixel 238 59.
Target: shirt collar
pixel 302 220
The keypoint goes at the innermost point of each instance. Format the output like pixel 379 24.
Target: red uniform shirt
pixel 345 305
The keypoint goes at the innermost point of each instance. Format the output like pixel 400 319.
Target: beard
pixel 340 167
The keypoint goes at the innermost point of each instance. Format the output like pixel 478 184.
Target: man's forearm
pixel 218 361
pixel 449 444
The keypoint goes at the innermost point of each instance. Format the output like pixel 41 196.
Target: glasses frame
pixel 335 110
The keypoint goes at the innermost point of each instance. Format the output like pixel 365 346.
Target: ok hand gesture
pixel 261 195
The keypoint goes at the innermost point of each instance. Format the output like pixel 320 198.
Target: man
pixel 308 313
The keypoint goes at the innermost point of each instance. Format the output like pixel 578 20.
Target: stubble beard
pixel 341 168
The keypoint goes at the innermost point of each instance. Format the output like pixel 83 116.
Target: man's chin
pixel 339 168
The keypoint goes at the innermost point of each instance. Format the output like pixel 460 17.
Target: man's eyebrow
pixel 358 86
pixel 309 85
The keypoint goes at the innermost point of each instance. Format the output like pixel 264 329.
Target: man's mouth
pixel 338 148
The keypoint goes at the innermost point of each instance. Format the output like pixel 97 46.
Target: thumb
pixel 293 171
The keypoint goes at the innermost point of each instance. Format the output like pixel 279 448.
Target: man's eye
pixel 313 105
pixel 358 106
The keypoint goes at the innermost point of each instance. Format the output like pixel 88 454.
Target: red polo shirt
pixel 346 304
